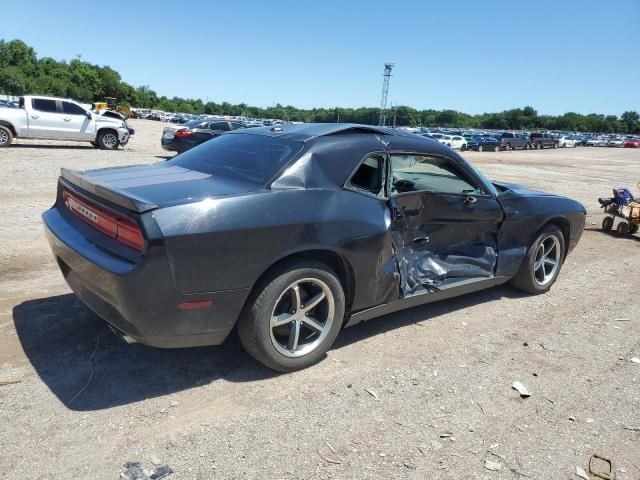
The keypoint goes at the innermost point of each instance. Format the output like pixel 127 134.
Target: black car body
pixel 174 254
pixel 543 140
pixel 484 143
pixel 188 135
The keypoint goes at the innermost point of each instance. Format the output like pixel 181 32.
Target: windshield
pixel 256 158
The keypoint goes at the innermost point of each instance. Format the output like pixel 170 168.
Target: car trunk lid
pixel 146 187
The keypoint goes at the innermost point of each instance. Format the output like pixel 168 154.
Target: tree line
pixel 22 72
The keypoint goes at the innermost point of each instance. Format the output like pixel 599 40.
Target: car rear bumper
pixel 139 300
pixel 169 144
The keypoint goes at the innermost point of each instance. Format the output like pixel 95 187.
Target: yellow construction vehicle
pixel 110 103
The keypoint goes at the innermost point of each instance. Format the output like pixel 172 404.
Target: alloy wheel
pixel 302 317
pixel 547 260
pixel 110 140
pixel 4 138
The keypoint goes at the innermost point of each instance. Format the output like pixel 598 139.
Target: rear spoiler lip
pixel 124 199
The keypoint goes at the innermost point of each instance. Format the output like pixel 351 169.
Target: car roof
pixel 308 131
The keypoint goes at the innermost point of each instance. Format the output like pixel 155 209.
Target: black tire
pixel 254 325
pixel 479 148
pixel 6 137
pixel 538 146
pixel 508 147
pixel 622 229
pixel 607 224
pixel 496 148
pixel 525 280
pixel 633 229
pixel 463 148
pixel 527 146
pixel 555 145
pixel 94 144
pixel 105 140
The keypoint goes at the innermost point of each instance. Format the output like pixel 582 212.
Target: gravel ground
pixel 424 393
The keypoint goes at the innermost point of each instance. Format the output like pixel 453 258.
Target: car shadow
pixel 422 313
pixel 60 335
pixel 613 235
pixel 54 147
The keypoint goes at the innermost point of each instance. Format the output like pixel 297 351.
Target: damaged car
pixel 290 233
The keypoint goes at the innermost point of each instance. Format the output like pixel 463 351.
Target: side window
pixel 369 176
pixel 421 173
pixel 44 105
pixel 224 126
pixel 72 109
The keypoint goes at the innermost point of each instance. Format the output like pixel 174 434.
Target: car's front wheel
pixel 542 263
pixel 293 317
pixel 107 140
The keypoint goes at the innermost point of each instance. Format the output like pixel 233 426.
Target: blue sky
pixel 556 56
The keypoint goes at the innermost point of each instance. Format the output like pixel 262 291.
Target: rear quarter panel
pixel 228 243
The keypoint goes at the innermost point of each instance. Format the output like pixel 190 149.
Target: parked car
pixel 514 141
pixel 596 142
pixel 567 141
pixel 293 232
pixel 188 135
pixel 615 142
pixel 543 140
pixel 484 143
pixel 632 143
pixel 453 141
pixel 7 104
pixel 53 118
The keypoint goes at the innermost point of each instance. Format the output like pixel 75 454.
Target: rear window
pixel 256 158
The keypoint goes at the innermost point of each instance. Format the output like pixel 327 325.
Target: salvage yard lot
pixel 424 393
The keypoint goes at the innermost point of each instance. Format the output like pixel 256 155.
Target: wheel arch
pixel 9 125
pixel 565 227
pixel 332 259
pixel 106 128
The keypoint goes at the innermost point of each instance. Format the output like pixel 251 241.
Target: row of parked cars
pixel 497 141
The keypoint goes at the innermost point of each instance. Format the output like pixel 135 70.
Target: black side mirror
pixel 89 116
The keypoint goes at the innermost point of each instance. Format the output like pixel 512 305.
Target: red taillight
pixel 130 234
pixel 182 133
pixel 121 229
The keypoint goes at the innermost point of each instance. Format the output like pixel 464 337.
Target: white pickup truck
pixel 51 118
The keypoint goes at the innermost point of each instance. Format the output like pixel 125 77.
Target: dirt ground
pixel 425 393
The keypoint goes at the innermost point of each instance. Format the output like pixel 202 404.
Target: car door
pixel 77 125
pixel 45 121
pixel 444 224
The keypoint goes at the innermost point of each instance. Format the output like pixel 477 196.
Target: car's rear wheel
pixel 633 228
pixel 293 317
pixel 555 145
pixel 496 148
pixel 542 263
pixel 107 140
pixel 6 137
pixel 607 224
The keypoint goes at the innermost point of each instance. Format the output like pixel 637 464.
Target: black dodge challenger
pixel 293 232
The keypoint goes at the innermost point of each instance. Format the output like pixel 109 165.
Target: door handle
pixel 35 116
pixel 426 239
pixel 67 119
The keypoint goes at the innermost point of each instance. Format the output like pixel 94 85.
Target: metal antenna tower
pixel 385 92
